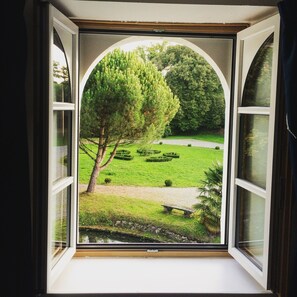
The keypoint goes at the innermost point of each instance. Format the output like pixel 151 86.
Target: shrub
pixel 210 198
pixel 147 152
pixel 160 142
pixel 189 144
pixel 217 147
pixel 123 157
pixel 107 180
pixel 126 152
pixel 122 152
pixel 168 182
pixel 158 159
pixel 171 154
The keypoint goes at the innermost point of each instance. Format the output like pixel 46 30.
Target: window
pixel 62 156
pixel 253 131
pixel 210 59
pixel 253 127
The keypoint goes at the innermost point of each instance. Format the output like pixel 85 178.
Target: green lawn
pixel 103 211
pixel 185 171
pixel 218 138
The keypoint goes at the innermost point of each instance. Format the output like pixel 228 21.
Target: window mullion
pixel 251 187
pixel 253 110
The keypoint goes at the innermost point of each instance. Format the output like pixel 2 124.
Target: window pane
pixel 257 86
pixel 62 89
pixel 250 225
pixel 60 223
pixel 61 144
pixel 253 148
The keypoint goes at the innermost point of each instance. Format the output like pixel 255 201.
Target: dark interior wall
pixel 15 195
pixel 19 134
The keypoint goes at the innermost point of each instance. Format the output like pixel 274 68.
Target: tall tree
pixel 125 99
pixel 194 82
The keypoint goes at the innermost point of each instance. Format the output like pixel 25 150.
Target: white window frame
pixel 57 20
pixel 265 27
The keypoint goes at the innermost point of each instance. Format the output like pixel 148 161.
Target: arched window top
pixel 257 85
pixel 61 74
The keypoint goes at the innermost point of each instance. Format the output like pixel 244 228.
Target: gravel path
pixel 179 196
pixel 193 142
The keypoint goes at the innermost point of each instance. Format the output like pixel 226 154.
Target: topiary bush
pixel 168 182
pixel 158 159
pixel 171 154
pixel 123 155
pixel 147 152
pixel 107 180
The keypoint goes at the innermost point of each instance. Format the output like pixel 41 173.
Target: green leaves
pixel 124 99
pixel 210 198
pixel 194 82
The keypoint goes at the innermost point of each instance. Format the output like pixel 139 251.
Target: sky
pixel 133 45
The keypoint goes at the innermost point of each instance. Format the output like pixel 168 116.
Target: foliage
pixel 171 154
pixel 210 198
pixel 125 99
pixel 257 87
pixel 158 159
pixel 123 155
pixel 168 182
pixel 147 152
pixel 196 84
pixel 107 180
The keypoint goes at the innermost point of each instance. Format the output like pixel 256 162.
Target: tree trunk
pixel 93 178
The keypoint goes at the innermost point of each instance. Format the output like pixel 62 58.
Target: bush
pixel 147 152
pixel 160 142
pixel 123 157
pixel 189 144
pixel 217 147
pixel 168 182
pixel 107 180
pixel 158 159
pixel 121 152
pixel 171 154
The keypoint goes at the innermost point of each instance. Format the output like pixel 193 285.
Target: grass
pixel 102 211
pixel 186 171
pixel 205 136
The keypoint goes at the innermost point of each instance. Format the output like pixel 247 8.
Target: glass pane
pixel 253 148
pixel 250 225
pixel 60 223
pixel 61 144
pixel 61 89
pixel 258 82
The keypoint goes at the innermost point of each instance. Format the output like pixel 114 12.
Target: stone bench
pixel 187 211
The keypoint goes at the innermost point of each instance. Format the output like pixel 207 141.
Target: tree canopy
pixel 193 80
pixel 124 99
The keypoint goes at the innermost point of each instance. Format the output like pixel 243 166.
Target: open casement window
pixel 252 145
pixel 252 155
pixel 62 139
